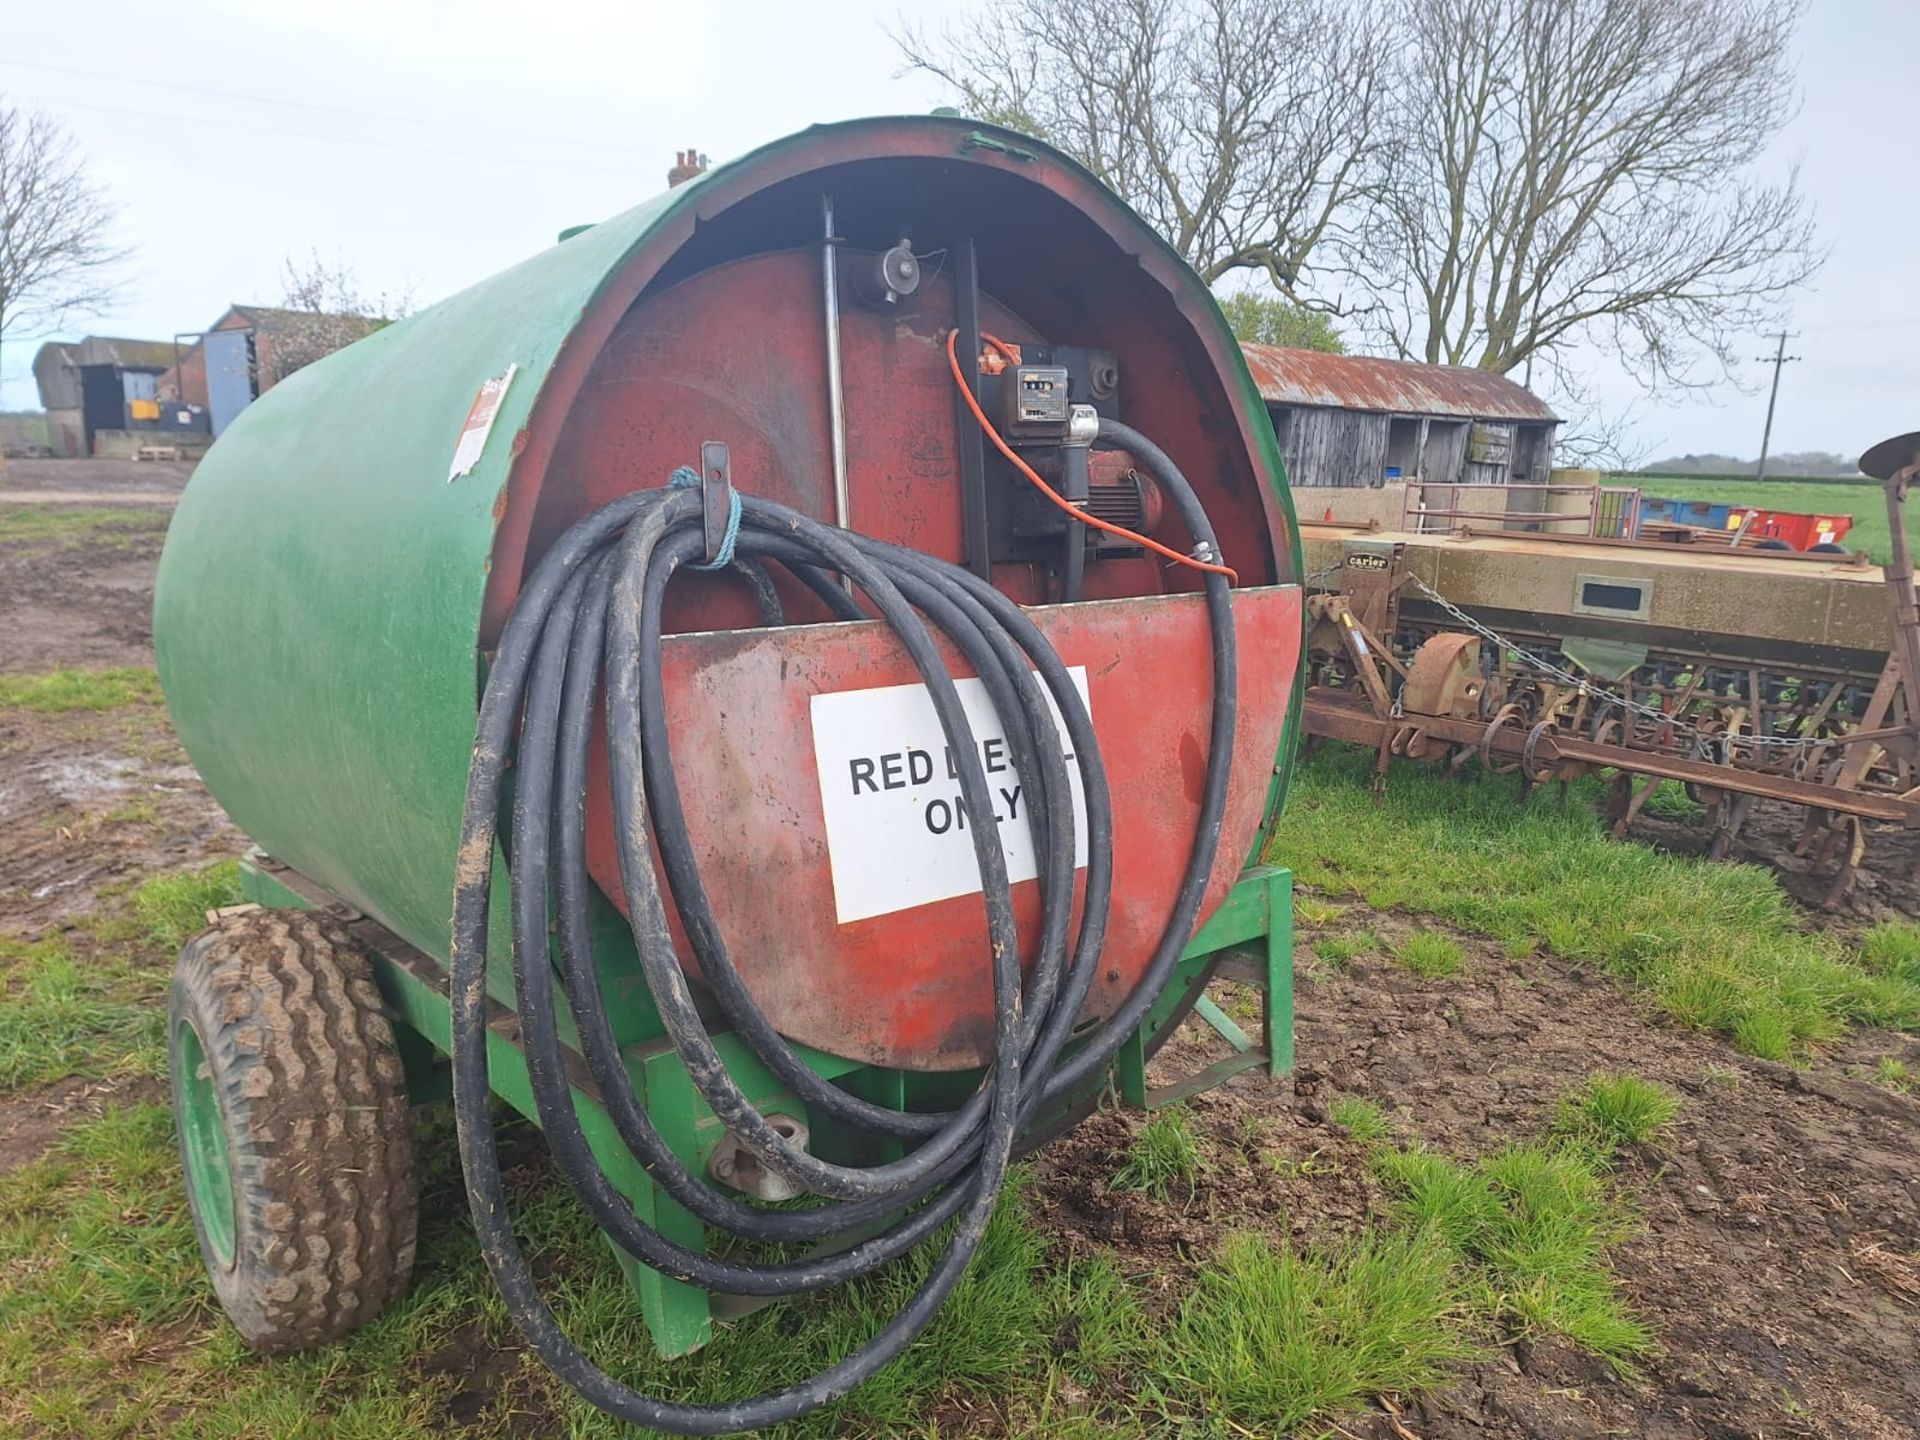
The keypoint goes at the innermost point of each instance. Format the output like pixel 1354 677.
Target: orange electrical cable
pixel 1010 353
pixel 966 393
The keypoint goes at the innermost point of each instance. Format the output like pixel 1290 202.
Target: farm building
pixel 1353 420
pixel 105 386
pixel 250 349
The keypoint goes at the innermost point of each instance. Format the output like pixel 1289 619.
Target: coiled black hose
pixel 592 607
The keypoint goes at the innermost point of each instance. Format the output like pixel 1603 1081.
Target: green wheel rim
pixel 203 1135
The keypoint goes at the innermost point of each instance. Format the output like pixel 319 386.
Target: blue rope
pixel 686 478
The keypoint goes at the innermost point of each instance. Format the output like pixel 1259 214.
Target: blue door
pixel 230 375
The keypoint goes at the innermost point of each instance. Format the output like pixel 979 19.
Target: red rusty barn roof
pixel 1399 387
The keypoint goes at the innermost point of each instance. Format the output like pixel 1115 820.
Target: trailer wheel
pixel 291 1106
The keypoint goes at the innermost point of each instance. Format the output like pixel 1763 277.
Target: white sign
pixel 897 832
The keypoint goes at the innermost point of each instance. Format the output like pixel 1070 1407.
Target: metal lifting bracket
pixel 716 496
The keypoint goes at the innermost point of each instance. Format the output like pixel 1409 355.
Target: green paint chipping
pixel 1271 1339
pixel 1717 947
pixel 63 690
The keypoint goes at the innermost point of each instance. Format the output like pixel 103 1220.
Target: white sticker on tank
pixel 472 443
pixel 897 833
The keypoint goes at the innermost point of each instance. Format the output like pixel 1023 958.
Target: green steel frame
pixel 1248 939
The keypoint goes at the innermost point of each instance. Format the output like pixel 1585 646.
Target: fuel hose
pixel 588 617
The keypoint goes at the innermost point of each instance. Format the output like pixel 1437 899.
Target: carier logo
pixel 898 832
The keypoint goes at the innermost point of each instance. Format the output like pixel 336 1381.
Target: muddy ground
pixel 119 482
pixel 90 800
pixel 1780 1253
pixel 1782 1213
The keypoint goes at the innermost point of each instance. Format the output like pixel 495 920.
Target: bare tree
pixel 1593 435
pixel 56 244
pixel 1239 128
pixel 327 312
pixel 1571 171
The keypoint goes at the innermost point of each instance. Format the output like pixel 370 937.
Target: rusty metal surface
pixel 1348 718
pixel 912 988
pixel 1401 387
pixel 724 341
pixel 1853 567
pixel 1444 678
pixel 1050 239
pixel 661 386
pixel 1745 676
pixel 1781 601
pixel 1520 506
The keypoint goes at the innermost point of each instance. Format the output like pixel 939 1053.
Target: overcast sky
pixel 429 143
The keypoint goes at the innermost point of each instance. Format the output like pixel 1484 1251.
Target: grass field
pixel 59 690
pixel 1866 502
pixel 68 527
pixel 1720 947
pixel 112 1332
pixel 108 1328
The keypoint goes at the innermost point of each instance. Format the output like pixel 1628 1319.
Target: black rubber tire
pixel 313 1104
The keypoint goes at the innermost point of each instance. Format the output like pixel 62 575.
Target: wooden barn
pixel 1353 420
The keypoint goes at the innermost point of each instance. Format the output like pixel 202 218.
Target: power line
pixel 251 129
pixel 1893 323
pixel 314 106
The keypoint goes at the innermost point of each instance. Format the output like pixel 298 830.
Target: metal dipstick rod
pixel 836 395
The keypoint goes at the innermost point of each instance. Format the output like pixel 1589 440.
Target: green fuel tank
pixel 343 558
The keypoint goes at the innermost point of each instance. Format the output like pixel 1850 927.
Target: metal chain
pixel 1599 692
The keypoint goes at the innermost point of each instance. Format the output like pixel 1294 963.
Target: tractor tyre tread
pixel 313 1103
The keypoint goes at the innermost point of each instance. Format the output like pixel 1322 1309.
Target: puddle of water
pixel 79 782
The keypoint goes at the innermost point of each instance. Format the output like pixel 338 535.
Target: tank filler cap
pixel 897 273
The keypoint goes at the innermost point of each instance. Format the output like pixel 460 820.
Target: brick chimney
pixel 686 165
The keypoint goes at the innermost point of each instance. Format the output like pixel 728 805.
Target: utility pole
pixel 1778 358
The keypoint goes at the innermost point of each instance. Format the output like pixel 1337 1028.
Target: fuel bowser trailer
pixel 788 688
